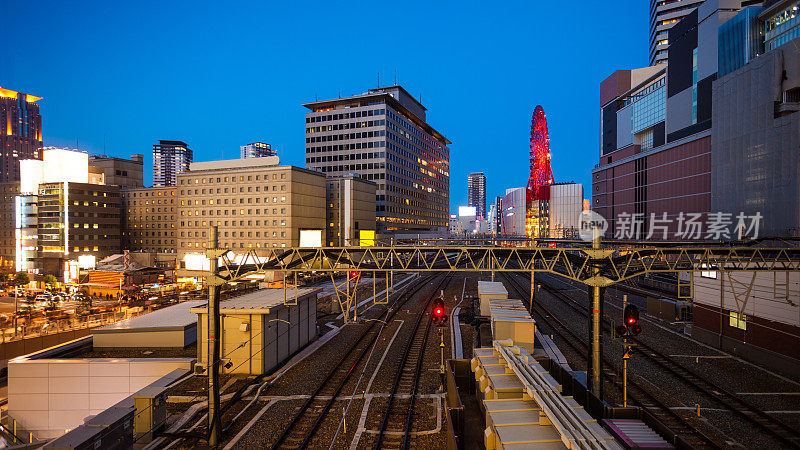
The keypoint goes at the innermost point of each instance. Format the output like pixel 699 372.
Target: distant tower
pixel 476 193
pixel 541 177
pixel 20 132
pixel 169 159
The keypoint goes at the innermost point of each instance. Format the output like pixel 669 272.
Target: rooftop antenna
pixel 395 76
pixel 340 94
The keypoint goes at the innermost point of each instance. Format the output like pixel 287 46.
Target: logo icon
pixel 588 221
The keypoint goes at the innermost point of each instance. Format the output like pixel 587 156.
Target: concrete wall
pixel 772 314
pixel 47 396
pixel 755 160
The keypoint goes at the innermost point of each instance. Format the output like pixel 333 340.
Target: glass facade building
pixel 782 26
pixel 740 40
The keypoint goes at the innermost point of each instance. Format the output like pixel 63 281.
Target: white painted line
pixel 437 400
pixel 362 421
pixel 694 408
pixel 702 356
pixel 768 393
pixel 249 425
pixel 383 357
pixel 455 336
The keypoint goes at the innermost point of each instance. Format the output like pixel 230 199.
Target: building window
pixel 738 320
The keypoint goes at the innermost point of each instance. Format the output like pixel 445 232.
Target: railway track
pixel 743 408
pixel 302 428
pixel 400 411
pixel 687 432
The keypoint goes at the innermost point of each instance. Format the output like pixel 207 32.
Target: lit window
pixel 738 321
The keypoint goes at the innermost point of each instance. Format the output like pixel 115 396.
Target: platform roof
pixel 170 318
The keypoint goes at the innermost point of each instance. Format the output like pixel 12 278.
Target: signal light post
pixel 439 318
pixel 630 328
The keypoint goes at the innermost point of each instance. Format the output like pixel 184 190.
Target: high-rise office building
pixel 257 150
pixel 476 193
pixel 383 136
pixel 170 158
pixel 20 132
pixel 663 15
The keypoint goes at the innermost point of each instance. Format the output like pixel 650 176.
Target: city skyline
pixel 141 105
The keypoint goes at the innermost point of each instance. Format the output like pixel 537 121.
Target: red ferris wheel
pixel 541 176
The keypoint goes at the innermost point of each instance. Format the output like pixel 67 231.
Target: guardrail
pixel 49 327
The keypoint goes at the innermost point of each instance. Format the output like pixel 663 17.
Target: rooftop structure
pixel 257 150
pixel 174 326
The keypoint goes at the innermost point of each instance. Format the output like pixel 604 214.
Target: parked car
pixel 44 297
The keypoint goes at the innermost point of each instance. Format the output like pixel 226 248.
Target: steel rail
pixel 335 370
pixel 774 426
pixel 417 369
pixel 680 425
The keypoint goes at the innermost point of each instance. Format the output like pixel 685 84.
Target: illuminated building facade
pixel 256 203
pixel 383 136
pixel 476 193
pixel 257 150
pixel 148 219
pixel 20 132
pixel 170 158
pixel 350 211
pixel 64 211
pixel 513 212
pixel 8 193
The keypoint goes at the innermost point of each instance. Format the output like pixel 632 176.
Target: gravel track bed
pixel 266 430
pixel 668 388
pixel 725 371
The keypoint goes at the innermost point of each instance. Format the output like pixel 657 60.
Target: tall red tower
pixel 537 196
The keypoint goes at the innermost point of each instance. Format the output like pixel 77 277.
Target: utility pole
pixel 595 353
pixel 625 358
pixel 214 282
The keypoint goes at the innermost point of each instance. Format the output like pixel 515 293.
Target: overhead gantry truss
pixel 593 267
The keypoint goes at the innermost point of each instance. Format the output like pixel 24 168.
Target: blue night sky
pixel 221 74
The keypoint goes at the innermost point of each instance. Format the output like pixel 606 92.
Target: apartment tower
pixel 170 158
pixel 476 193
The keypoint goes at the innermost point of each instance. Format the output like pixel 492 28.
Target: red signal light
pixel 631 320
pixel 438 311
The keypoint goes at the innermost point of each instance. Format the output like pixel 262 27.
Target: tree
pixel 21 279
pixel 51 281
pixel 3 277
